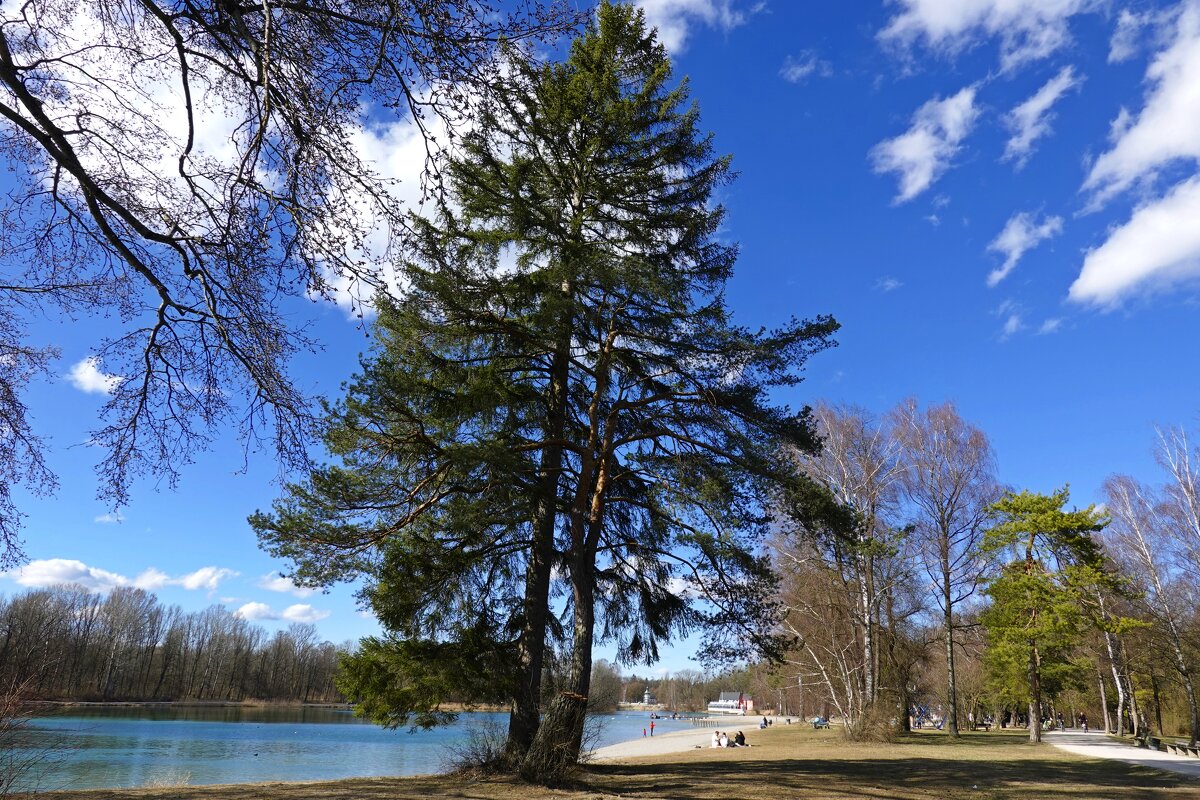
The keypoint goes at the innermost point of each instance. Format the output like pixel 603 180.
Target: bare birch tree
pixel 948 478
pixel 858 466
pixel 1140 541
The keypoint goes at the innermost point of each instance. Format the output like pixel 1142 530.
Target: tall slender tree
pixel 858 468
pixel 948 477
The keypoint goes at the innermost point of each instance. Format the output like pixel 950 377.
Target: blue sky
pixel 998 199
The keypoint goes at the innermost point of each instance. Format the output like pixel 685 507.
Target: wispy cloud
pixel 1053 325
pixel 86 376
pixel 922 154
pixel 1012 324
pixel 1021 233
pixel 110 518
pixel 58 571
pixel 1027 29
pixel 300 612
pixel 674 19
pixel 887 284
pixel 1159 246
pixel 1013 316
pixel 1031 120
pixel 1164 131
pixel 275 582
pixel 1126 38
pixel 799 68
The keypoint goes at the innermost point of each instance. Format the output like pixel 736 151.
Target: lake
pixel 130 746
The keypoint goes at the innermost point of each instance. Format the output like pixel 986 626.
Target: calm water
pixel 127 747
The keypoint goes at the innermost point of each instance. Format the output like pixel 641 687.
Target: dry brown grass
pixel 787 762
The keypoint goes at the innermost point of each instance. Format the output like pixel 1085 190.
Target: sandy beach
pixel 675 742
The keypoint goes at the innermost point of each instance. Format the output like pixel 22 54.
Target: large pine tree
pixel 590 407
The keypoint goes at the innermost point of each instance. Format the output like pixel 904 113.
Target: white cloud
pixel 204 578
pixel 1125 39
pixel 1021 233
pixel 152 579
pixel 1031 120
pixel 1027 29
pixel 275 582
pixel 300 612
pixel 797 69
pixel 1050 326
pixel 1164 131
pixel 1012 324
pixel 110 518
pixel 87 377
pixel 56 571
pixel 887 284
pixel 256 611
pixel 674 18
pixel 920 155
pixel 1157 248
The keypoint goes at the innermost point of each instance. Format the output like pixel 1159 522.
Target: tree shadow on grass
pixel 893 778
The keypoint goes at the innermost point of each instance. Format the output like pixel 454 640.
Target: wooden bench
pixel 987 726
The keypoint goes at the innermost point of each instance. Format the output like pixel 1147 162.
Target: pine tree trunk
pixel 559 740
pixel 524 719
pixel 1035 695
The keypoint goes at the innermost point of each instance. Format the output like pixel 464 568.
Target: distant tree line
pixel 66 642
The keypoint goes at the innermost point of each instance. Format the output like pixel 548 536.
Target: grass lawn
pixel 786 762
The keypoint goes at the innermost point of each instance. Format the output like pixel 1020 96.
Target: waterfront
pixel 121 747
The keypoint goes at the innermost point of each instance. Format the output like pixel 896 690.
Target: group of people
pixel 722 740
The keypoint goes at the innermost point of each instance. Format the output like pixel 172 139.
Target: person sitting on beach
pixel 724 740
pixel 716 740
pixel 739 740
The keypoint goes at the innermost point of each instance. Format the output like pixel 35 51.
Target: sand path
pixel 1097 745
pixel 662 744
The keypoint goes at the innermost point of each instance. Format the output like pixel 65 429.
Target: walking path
pixel 1097 745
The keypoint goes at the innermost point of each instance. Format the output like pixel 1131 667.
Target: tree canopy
pixel 188 166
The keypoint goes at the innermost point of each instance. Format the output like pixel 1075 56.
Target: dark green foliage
pixel 591 405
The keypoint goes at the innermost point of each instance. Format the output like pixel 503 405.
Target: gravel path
pixel 1098 745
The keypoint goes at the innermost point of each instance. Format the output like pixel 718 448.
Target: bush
pixel 876 724
pixel 481 754
pixel 23 762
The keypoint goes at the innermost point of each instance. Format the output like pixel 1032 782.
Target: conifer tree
pixel 591 407
pixel 1041 595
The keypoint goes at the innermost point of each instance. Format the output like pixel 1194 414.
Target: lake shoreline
pixel 788 761
pixel 455 707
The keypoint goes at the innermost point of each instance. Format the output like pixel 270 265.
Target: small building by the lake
pixel 732 703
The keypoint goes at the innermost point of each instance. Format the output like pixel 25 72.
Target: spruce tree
pixel 591 407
